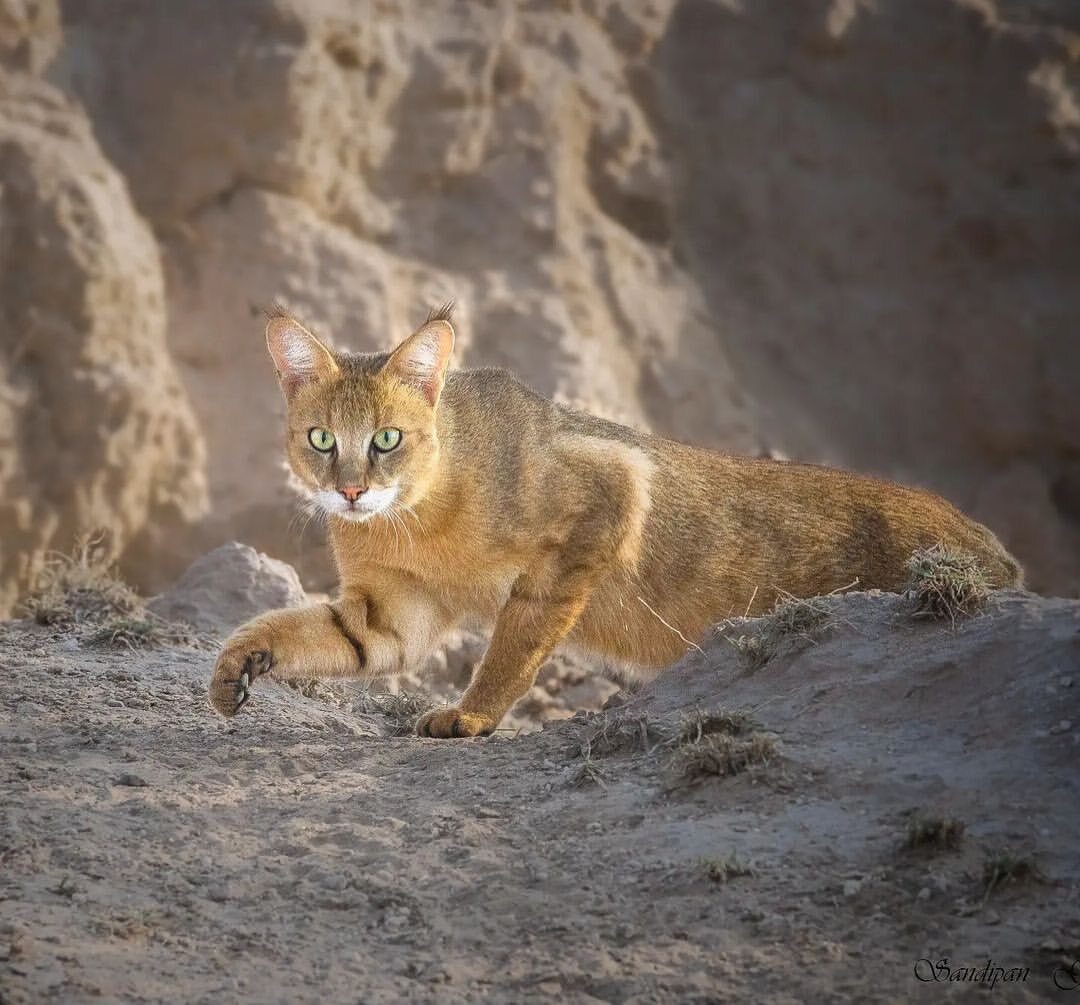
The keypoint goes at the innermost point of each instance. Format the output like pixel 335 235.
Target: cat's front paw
pixel 236 670
pixel 452 723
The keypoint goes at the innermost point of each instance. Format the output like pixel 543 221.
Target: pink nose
pixel 352 492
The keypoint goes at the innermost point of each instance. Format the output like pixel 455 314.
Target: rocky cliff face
pixel 95 429
pixel 880 204
pixel 836 230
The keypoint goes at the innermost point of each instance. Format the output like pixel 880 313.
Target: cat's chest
pixel 463 577
pixel 480 591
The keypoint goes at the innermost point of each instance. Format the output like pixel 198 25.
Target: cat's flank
pixel 463 495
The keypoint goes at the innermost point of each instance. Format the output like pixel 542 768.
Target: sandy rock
pixel 290 97
pixel 227 587
pixel 315 113
pixel 30 33
pixel 95 430
pixel 839 231
pixel 895 271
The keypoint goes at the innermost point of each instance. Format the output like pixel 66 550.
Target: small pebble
pixel 131 781
pixel 1062 727
pixel 924 893
pixel 332 881
pixel 29 708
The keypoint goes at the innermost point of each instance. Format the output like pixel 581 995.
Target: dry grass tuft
pixel 613 735
pixel 143 631
pixel 716 742
pixel 401 710
pixel 797 617
pixel 720 754
pixel 792 619
pixel 81 587
pixel 723 870
pixel 621 734
pixel 136 924
pixel 699 724
pixel 946 584
pixel 752 649
pixel 83 590
pixel 587 772
pixel 1005 866
pixel 934 834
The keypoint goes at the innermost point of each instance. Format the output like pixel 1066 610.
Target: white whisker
pixel 392 522
pixel 412 513
pixel 404 526
pixel 307 511
pixel 396 520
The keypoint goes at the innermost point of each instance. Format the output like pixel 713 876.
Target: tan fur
pixel 551 525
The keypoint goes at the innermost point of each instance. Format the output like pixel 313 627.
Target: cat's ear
pixel 422 358
pixel 300 358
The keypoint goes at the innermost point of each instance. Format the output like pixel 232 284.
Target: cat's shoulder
pixel 494 389
pixel 487 379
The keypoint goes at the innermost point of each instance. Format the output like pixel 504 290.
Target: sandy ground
pixel 150 851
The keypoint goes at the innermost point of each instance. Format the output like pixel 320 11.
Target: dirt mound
pixel 890 790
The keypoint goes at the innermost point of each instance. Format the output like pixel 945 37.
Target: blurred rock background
pixel 844 231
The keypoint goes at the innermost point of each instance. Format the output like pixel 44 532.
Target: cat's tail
pixel 1012 572
pixel 1002 569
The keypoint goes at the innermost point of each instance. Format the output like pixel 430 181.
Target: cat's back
pixel 488 394
pixel 493 418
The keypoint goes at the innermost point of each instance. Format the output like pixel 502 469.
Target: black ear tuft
pixel 421 360
pixel 441 313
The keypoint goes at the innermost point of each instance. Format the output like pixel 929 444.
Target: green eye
pixel 321 439
pixel 386 439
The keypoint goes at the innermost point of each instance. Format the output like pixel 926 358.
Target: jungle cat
pixel 465 495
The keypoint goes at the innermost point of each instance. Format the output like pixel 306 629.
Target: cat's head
pixel 361 427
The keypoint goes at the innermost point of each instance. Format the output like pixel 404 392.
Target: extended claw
pixel 243 692
pixel 229 696
pixel 256 664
